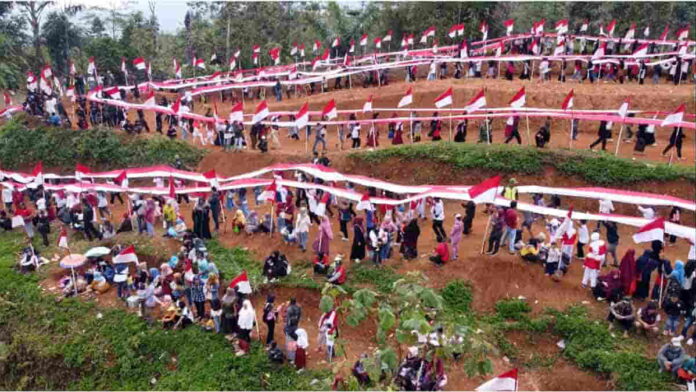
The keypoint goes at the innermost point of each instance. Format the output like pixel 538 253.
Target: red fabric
pixel 324 261
pixel 511 218
pixel 300 358
pixel 443 251
pixel 341 275
pixel 565 240
pixel 684 375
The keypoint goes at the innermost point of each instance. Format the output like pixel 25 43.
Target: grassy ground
pixel 597 168
pixel 70 344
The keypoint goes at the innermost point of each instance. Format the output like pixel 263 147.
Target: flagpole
pixel 570 144
pixel 485 233
pixel 618 141
pixel 270 232
pixel 529 137
pixel 410 126
pixel 488 132
pixel 450 130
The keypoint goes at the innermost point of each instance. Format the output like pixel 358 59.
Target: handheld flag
pixel 407 99
pixel 653 231
pixel 445 99
pixel 241 283
pixel 126 256
pixel 486 191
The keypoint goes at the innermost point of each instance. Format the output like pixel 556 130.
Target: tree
pixel 32 14
pixel 97 28
pixel 12 39
pixel 60 36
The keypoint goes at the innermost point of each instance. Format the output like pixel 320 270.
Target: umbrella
pixel 73 261
pixel 98 251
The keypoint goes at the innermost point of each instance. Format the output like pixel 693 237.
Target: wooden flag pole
pixel 450 130
pixel 485 233
pixel 618 141
pixel 529 137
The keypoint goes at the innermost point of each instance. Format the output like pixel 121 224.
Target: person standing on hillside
pixel 676 139
pixel 438 215
pixel 512 129
pixel 456 235
pixel 603 134
pixel 511 226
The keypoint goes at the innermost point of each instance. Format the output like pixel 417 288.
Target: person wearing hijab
pixel 247 316
pixel 608 287
pixel 678 273
pixel 398 134
pixel 302 225
pixel 628 272
pixel 645 265
pixel 460 135
pixel 321 244
pixel 456 235
pixel 270 315
pixel 301 347
pixel 201 219
pixel 357 251
pixel 238 221
pixel 410 240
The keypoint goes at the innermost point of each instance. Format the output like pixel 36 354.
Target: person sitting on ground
pixel 321 263
pixel 99 283
pixel 552 260
pixel 107 230
pixel 535 250
pixel 359 371
pixel 338 274
pixel 671 356
pixel 608 287
pixel 171 317
pixel 440 254
pixel 622 312
pixel 238 221
pixel 29 260
pixel 687 372
pixel 275 355
pixel 648 318
pixel 126 224
pixel 252 223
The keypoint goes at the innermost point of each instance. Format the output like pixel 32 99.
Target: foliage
pixel 597 168
pixel 60 36
pixel 512 309
pixel 382 278
pixel 457 295
pixel 68 344
pixel 101 148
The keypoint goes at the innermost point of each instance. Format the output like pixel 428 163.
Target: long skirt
pixel 300 358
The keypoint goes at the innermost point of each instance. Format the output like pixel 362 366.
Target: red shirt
pixel 511 218
pixel 443 251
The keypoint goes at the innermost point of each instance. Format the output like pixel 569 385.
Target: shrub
pixel 382 278
pixel 512 309
pixel 458 296
pixel 99 148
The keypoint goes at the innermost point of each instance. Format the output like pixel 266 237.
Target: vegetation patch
pixel 598 168
pixel 101 148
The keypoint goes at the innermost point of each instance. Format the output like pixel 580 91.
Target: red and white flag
pixel 675 117
pixel 519 99
pixel 600 51
pixel 641 51
pixel 565 226
pixel 200 63
pixel 255 49
pixel 233 63
pixel 112 92
pixel 410 39
pixel 363 40
pixel 456 30
pixel 326 55
pixel 477 102
pixel 8 99
pixel 535 47
pixel 538 27
pixel 80 171
pixel 486 191
pixel 316 46
pixel 351 46
pixel 45 85
pixel 329 112
pixel 562 26
pixel 683 33
pixel 122 179
pixel 568 101
pixel 653 231
pixel 463 50
pixel 388 36
pixel 364 203
pixel 139 63
pixel 91 67
pixel 241 283
pixel 315 63
pixel 585 24
pixel 499 49
pixel 37 173
pixel 148 71
pixel 663 36
pixel 631 32
pixel 237 53
pixel 63 239
pixel 378 42
pixel 429 32
pixel 255 58
pixel 302 117
pixel 646 31
pixel 124 68
pixel 560 48
pixel 237 112
pixel 445 99
pixel 321 206
pixel 172 188
pixel 261 112
pixel 275 55
pixel 126 256
pixel 212 178
pixel 273 193
pixel 47 72
pixel 483 28
pixel 294 49
pixel 302 48
pixel 336 42
pixel 509 25
pixel 407 99
pixel 177 68
pixel 611 27
pixel 73 70
pixel 176 106
pixel 506 382
pixel 367 106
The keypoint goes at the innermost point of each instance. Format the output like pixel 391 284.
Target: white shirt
pixel 302 340
pixel 6 195
pixel 302 224
pixel 648 212
pixel 583 234
pixel 41 204
pixel 355 131
pixel 101 200
pixel 606 206
pixel 438 211
pixel 432 68
pixel 159 182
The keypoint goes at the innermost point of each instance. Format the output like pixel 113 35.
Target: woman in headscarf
pixel 456 235
pixel 678 273
pixel 373 134
pixel 302 228
pixel 609 286
pixel 229 312
pixel 301 348
pixel 645 265
pixel 628 272
pixel 245 324
pixel 398 133
pixel 357 251
pixel 321 244
pixel 270 315
pixel 201 219
pixel 410 242
pixel 252 223
pixel 239 221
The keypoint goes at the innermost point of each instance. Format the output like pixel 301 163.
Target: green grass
pixel 597 168
pixel 105 149
pixel 382 278
pixel 45 344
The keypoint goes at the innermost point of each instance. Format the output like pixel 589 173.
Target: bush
pixel 597 168
pixel 512 309
pixel 458 296
pixel 382 278
pixel 99 148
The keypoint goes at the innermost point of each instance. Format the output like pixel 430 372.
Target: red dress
pixel 373 137
pixel 300 358
pixel 398 135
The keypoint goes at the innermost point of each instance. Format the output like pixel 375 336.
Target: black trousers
pixel 344 228
pixel 678 145
pixel 271 331
pixel 494 241
pixel 515 135
pixel 581 250
pixel 602 140
pixel 439 230
pixel 90 231
pixel 356 142
pixel 114 196
pixel 467 224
